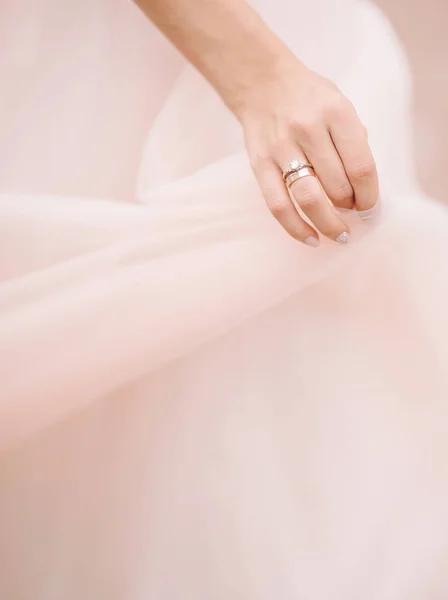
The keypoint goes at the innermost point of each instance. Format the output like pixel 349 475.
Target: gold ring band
pixel 304 172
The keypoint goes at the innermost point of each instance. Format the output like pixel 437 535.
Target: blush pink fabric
pixel 192 404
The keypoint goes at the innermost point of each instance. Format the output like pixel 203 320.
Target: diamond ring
pixel 302 172
pixel 294 167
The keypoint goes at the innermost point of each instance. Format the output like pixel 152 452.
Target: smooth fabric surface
pixel 193 405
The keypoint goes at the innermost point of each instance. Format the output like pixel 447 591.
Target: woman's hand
pixel 297 114
pixel 287 111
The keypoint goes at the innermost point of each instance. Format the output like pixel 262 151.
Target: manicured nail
pixel 343 238
pixel 312 241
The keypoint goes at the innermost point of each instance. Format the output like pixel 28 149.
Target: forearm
pixel 226 40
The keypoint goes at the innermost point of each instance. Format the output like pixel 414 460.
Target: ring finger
pixel 312 201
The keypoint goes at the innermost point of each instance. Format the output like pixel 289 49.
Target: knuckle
pixel 290 127
pixel 306 127
pixel 270 195
pixel 363 170
pixel 278 208
pixel 308 198
pixel 342 193
pixel 281 144
pixel 285 136
pixel 337 106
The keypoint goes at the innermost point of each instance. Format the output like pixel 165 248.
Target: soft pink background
pixel 422 28
pixel 193 405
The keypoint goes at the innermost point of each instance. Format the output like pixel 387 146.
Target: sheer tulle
pixel 193 405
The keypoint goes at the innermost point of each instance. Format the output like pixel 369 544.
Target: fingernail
pixel 343 238
pixel 312 241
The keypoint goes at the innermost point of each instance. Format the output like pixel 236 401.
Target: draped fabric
pixel 194 405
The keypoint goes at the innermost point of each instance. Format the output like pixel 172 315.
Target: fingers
pixel 350 139
pixel 282 208
pixel 312 200
pixel 329 169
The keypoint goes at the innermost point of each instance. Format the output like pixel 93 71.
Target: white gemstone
pixel 294 164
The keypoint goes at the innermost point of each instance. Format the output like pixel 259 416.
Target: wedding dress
pixel 193 405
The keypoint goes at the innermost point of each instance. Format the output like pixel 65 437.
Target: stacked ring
pixel 295 166
pixel 305 171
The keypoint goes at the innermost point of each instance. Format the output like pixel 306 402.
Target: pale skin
pixel 286 110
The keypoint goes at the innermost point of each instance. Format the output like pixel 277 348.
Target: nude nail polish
pixel 312 241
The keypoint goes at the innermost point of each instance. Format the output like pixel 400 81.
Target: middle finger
pixel 330 170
